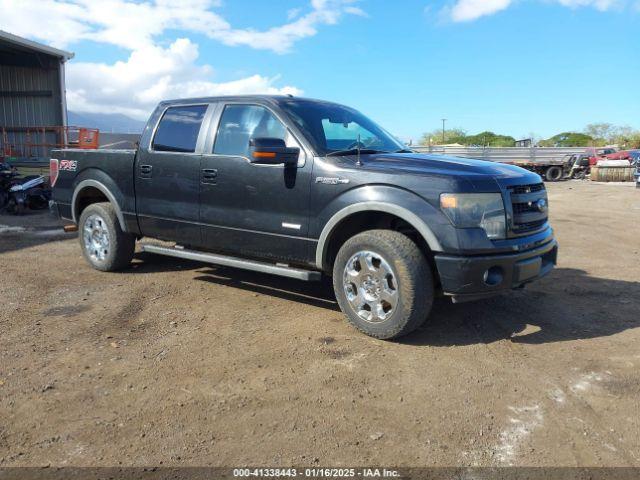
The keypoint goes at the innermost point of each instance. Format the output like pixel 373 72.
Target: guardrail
pixel 540 155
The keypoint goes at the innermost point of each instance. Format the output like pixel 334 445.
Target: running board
pixel 235 262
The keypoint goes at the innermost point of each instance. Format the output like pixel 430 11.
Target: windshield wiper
pixel 353 151
pixel 404 150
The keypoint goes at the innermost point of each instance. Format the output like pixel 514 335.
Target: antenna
pixel 359 162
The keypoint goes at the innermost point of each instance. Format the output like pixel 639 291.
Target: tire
pixel 553 174
pixel 394 295
pixel 104 245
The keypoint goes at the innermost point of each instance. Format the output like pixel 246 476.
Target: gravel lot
pixel 179 363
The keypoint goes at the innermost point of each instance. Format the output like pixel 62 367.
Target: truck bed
pixel 102 170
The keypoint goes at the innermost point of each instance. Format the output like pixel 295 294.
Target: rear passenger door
pixel 167 176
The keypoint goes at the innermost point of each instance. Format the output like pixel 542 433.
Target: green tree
pixel 602 133
pixel 624 136
pixel 568 139
pixel 489 139
pixel 434 137
pixel 634 140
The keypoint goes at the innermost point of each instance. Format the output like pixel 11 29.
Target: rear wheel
pixel 383 283
pixel 104 245
pixel 553 174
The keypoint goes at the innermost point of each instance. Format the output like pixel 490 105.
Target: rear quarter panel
pixel 113 169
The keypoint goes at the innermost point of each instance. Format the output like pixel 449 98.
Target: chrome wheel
pixel 370 286
pixel 96 238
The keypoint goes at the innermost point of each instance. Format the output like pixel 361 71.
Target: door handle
pixel 145 171
pixel 209 175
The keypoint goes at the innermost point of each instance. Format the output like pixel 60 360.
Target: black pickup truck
pixel 301 188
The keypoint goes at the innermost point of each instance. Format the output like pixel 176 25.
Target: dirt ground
pixel 178 363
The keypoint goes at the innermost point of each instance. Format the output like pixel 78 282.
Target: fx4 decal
pixel 332 180
pixel 69 165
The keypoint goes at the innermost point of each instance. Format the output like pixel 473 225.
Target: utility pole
pixel 444 120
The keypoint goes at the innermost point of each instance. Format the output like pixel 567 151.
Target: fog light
pixel 493 276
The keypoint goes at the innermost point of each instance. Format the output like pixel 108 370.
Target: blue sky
pixel 512 66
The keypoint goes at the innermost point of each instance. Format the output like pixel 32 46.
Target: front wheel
pixel 383 283
pixel 104 245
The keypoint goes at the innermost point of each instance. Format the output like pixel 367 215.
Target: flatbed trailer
pixel 550 170
pixel 552 164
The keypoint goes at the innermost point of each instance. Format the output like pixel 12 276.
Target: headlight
pixel 476 210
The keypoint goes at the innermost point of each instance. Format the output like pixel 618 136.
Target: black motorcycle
pixel 18 194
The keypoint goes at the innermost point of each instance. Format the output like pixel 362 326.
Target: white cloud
pixel 131 24
pixel 282 38
pixel 150 74
pixel 601 5
pixel 153 70
pixel 293 13
pixel 468 10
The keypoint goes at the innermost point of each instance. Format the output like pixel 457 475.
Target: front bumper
pixel 470 278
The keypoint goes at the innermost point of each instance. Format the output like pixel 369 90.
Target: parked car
pixel 619 155
pixel 301 188
pixel 596 154
pixel 634 157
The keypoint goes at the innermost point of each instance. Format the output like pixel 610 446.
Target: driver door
pixel 247 209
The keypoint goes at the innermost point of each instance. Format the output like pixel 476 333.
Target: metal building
pixel 33 110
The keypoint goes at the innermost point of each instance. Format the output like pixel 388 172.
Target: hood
pixel 440 165
pixel 477 172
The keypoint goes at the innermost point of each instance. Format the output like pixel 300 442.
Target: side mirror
pixel 272 151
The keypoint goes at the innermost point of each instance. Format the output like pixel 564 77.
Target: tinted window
pixel 178 129
pixel 241 123
pixel 340 136
pixel 331 127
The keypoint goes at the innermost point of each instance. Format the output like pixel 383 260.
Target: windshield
pixel 335 129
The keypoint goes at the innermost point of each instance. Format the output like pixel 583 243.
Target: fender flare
pixel 406 215
pixel 100 186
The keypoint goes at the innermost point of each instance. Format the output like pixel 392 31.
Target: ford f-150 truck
pixel 301 188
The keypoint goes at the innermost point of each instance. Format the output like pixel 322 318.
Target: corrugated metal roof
pixel 35 46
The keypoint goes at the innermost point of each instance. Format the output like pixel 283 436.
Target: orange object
pixel 448 201
pixel 38 141
pixel 264 154
pixel 88 138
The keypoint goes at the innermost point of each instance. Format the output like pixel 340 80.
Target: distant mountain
pixel 106 122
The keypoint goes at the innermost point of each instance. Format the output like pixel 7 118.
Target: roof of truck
pixel 244 98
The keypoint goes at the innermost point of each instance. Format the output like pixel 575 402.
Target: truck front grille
pixel 521 228
pixel 523 208
pixel 520 189
pixel 528 212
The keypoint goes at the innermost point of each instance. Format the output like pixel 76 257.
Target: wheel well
pixel 372 220
pixel 86 197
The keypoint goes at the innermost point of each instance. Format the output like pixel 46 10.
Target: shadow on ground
pixel 317 294
pixel 29 230
pixel 568 305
